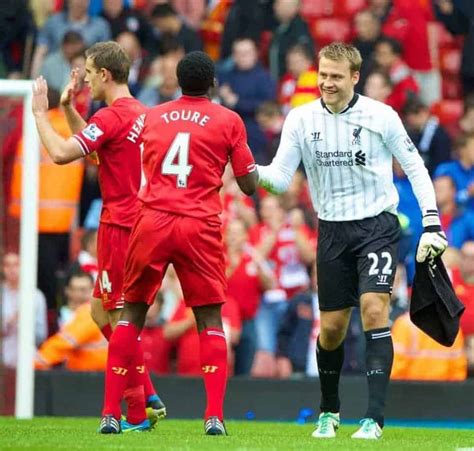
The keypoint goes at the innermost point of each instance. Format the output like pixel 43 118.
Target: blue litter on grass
pixel 250 415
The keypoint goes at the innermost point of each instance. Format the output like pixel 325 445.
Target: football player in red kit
pixel 114 135
pixel 187 144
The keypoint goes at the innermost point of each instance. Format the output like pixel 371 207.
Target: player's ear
pixel 355 77
pixel 105 74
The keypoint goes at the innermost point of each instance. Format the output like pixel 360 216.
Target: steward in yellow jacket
pixel 79 344
pixel 419 357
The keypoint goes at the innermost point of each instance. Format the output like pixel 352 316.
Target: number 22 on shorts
pixel 386 270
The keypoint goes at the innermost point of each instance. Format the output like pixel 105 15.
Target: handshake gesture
pixel 433 241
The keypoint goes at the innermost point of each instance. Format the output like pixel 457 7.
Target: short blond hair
pixel 338 51
pixel 111 56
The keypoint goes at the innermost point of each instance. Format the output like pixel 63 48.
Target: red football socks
pixel 137 385
pixel 123 347
pixel 213 352
pixel 147 383
pixel 135 394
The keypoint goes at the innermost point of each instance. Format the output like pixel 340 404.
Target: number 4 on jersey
pixel 179 150
pixel 105 283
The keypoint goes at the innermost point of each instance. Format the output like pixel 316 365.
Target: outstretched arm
pixel 433 241
pixel 248 183
pixel 60 150
pixel 276 177
pixel 74 119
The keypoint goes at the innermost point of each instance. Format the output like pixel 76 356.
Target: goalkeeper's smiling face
pixel 336 82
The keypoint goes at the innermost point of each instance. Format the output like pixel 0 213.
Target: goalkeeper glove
pixel 433 241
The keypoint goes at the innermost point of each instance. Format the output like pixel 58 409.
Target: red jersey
pixel 284 257
pixel 114 133
pixel 230 209
pixel 188 362
pixel 244 286
pixel 408 23
pixel 465 293
pixel 187 144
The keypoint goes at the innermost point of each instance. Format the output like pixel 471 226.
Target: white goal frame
pixel 24 395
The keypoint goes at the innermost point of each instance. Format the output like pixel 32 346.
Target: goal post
pixel 24 394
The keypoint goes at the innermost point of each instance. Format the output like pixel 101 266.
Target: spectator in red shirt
pixel 285 241
pixel 248 276
pixel 156 349
pixel 182 332
pixel 297 197
pixel 235 205
pixel 407 21
pixel 388 55
pixel 463 282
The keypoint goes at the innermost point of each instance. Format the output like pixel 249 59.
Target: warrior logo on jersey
pixel 315 136
pixel 356 136
pixel 92 132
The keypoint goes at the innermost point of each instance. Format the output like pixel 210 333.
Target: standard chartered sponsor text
pixel 326 158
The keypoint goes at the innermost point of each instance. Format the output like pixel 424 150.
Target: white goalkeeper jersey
pixel 348 159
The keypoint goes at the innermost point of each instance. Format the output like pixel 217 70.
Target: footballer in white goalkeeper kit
pixel 346 142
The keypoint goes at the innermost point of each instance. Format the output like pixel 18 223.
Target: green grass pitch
pixel 80 433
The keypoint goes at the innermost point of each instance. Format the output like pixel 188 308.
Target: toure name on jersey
pixel 186 115
pixel 339 158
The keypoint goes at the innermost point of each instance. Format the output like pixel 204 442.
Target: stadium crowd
pixel 417 59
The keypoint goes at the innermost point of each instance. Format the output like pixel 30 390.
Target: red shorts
pixel 112 244
pixel 193 246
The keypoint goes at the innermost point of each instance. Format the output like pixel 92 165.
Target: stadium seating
pixel 313 9
pixel 448 110
pixel 348 7
pixel 326 30
pixel 316 9
pixel 450 61
pixel 451 87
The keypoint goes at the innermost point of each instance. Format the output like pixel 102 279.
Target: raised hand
pixel 71 88
pixel 40 96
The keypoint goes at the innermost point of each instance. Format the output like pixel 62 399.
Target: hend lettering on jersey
pixel 136 129
pixel 186 115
